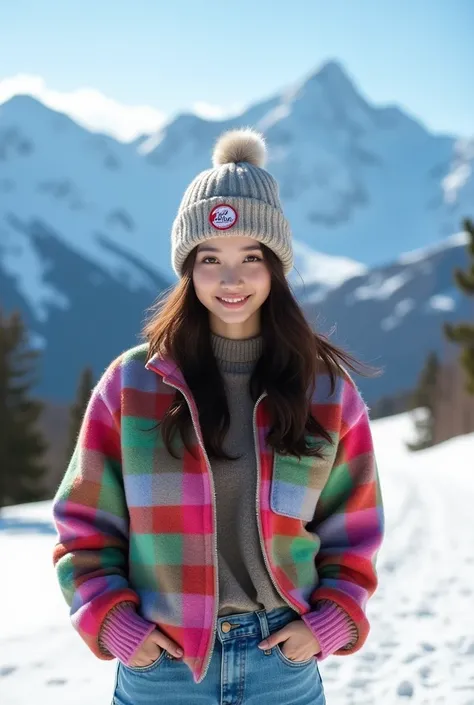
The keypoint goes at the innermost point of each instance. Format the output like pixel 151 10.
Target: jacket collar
pixel 170 371
pixel 167 368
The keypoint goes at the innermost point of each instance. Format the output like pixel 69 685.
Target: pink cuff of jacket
pixel 332 627
pixel 124 631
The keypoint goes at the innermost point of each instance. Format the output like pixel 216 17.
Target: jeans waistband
pixel 258 624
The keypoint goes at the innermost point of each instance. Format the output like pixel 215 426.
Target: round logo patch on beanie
pixel 223 217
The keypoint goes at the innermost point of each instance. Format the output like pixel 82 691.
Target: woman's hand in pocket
pixel 298 643
pixel 150 650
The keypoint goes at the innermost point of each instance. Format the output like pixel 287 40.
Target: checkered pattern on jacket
pixel 137 526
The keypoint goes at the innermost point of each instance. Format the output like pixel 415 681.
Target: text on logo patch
pixel 223 217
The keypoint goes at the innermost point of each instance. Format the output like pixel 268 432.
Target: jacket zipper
pixel 208 657
pixel 259 521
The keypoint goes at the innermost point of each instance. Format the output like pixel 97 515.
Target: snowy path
pixel 421 647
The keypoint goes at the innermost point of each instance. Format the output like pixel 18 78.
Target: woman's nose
pixel 231 278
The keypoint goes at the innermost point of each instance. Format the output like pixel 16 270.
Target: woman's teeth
pixel 233 301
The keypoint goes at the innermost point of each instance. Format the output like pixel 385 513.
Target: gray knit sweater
pixel 245 585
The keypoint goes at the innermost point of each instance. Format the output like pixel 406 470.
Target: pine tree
pixel 84 390
pixel 22 445
pixel 463 333
pixel 423 404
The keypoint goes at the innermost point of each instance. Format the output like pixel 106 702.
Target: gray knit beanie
pixel 236 197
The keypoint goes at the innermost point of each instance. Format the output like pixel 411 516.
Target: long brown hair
pixel 292 356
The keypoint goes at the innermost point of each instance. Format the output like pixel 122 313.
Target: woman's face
pixel 232 268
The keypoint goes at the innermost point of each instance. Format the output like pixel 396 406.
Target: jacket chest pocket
pixel 297 483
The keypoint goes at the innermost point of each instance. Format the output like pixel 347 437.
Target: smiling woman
pixel 232 284
pixel 220 518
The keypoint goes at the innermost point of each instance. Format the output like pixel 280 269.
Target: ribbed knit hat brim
pixel 247 193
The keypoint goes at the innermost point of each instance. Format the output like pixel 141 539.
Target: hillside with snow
pixel 85 219
pixel 392 316
pixel 421 646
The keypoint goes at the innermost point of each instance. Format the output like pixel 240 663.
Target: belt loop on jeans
pixel 262 618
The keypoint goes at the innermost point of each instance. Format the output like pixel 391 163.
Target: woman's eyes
pixel 254 257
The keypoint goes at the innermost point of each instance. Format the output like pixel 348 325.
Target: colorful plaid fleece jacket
pixel 130 531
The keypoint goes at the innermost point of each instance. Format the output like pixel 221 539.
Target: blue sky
pixel 181 54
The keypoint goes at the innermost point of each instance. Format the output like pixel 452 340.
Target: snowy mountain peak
pixel 330 98
pixel 31 115
pixel 333 76
pixel 22 118
pixel 20 105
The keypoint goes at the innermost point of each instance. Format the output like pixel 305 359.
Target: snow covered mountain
pixel 357 180
pixel 392 316
pixel 85 219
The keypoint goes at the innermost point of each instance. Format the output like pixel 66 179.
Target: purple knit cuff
pixel 332 627
pixel 124 631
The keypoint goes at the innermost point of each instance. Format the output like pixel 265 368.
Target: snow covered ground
pixel 421 647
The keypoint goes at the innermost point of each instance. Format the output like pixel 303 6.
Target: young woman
pixel 220 517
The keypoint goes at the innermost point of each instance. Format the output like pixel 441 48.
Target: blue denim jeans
pixel 239 673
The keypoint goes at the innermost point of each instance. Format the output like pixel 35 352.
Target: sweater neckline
pixel 236 355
